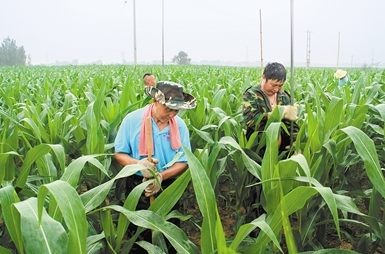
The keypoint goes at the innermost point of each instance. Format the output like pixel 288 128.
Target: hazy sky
pixel 208 30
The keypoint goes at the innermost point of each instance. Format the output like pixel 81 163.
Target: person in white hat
pixel 342 77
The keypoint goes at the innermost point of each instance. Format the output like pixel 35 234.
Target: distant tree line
pixel 11 54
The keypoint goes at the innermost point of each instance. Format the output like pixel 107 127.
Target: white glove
pixel 149 166
pixel 290 112
pixel 153 187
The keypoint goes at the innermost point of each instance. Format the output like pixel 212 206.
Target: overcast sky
pixel 207 30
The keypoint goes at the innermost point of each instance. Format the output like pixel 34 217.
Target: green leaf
pixel 221 239
pixel 150 248
pixel 151 220
pixel 206 200
pixel 366 149
pixel 289 237
pixel 12 221
pixel 5 251
pixel 206 136
pixel 34 127
pixel 72 210
pixel 328 195
pixel 130 203
pixel 95 244
pixel 60 155
pixel 108 227
pixel 47 237
pixel 161 205
pixel 247 228
pixel 3 160
pixel 294 201
pixel 175 159
pixel 381 110
pixel 72 173
pixel 253 167
pixel 94 197
pixel 313 144
pixel 32 156
pixel 332 116
pixel 269 162
pixel 347 204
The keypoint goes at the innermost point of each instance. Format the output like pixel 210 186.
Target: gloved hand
pixel 153 187
pixel 149 165
pixel 290 112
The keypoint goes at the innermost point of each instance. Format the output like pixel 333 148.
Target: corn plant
pixel 57 173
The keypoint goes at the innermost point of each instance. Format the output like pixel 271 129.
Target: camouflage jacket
pixel 256 104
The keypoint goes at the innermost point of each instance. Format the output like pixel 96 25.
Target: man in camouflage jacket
pixel 260 100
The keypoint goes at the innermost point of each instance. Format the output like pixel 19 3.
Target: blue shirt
pixel 343 81
pixel 127 139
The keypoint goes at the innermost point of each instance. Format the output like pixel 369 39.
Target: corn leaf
pixel 253 167
pixel 47 237
pixel 12 221
pixel 94 197
pixel 95 244
pixel 206 201
pixel 151 220
pixel 32 156
pixel 295 200
pixel 72 210
pixel 72 173
pixel 365 148
pixel 221 240
pixel 3 161
pixel 247 228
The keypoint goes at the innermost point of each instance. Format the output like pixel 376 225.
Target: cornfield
pixel 59 191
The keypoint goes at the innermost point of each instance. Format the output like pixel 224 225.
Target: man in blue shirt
pixel 168 133
pixel 167 127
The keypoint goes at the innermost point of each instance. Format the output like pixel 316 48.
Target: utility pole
pixel 291 67
pixel 308 49
pixel 260 38
pixel 338 54
pixel 162 39
pixel 134 35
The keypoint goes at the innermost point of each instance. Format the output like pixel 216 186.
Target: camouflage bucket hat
pixel 171 94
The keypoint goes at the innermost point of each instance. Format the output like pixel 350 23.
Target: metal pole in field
pixel 292 69
pixel 260 38
pixel 338 53
pixel 308 50
pixel 134 34
pixel 162 39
